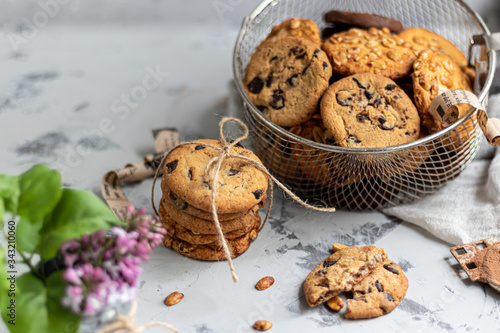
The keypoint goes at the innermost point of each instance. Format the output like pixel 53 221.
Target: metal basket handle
pixel 490 126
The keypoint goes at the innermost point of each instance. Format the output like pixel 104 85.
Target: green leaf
pixel 27 235
pixel 77 213
pixel 39 308
pixel 2 211
pixel 10 192
pixel 61 319
pixel 4 289
pixel 31 306
pixel 40 192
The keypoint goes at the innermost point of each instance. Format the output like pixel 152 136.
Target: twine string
pixel 211 173
pixel 124 324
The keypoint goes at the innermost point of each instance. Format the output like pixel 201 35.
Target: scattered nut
pixel 335 303
pixel 253 234
pixel 338 246
pixel 262 325
pixel 173 298
pixel 264 283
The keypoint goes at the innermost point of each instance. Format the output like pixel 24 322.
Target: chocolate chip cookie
pixel 286 78
pixel 367 111
pixel 340 272
pixel 369 51
pixel 177 230
pixel 240 185
pixel 295 27
pixel 207 227
pixel 423 39
pixel 209 252
pixel 378 293
pixel 173 202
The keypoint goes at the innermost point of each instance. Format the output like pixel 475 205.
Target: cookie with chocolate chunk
pixel 240 184
pixel 207 227
pixel 209 252
pixel 177 230
pixel 295 27
pixel 340 272
pixel 378 293
pixel 368 111
pixel 172 202
pixel 286 78
pixel 369 51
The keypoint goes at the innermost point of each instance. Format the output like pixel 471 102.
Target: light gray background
pixel 62 81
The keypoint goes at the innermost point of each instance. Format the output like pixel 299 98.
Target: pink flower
pixel 104 267
pixel 71 276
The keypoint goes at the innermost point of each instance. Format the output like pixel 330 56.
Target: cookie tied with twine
pixel 211 176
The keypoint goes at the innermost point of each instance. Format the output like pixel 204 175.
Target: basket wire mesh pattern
pixel 361 179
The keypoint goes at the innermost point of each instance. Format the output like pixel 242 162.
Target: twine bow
pixel 125 324
pixel 211 173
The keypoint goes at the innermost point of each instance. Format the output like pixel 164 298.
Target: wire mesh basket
pixel 366 178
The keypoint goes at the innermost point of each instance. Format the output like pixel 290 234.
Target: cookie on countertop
pixel 209 252
pixel 295 27
pixel 422 39
pixel 378 293
pixel 369 51
pixel 240 184
pixel 435 73
pixel 340 271
pixel 286 78
pixel 368 110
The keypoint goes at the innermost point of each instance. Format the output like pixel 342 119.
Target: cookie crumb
pixel 173 298
pixel 264 283
pixel 262 325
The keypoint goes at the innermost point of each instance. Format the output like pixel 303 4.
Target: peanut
pixel 173 298
pixel 264 283
pixel 262 325
pixel 338 246
pixel 335 303
pixel 253 234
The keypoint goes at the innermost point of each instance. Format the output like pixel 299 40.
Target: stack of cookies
pixel 186 204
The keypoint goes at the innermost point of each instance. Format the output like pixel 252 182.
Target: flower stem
pixel 33 269
pixel 109 241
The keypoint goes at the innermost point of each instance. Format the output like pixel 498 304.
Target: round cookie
pixel 286 78
pixel 207 227
pixel 422 39
pixel 369 51
pixel 340 271
pixel 240 184
pixel 312 129
pixel 295 27
pixel 209 252
pixel 175 229
pixel 378 293
pixel 173 202
pixel 367 111
pixel 435 73
pixel 362 20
